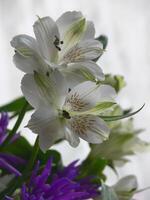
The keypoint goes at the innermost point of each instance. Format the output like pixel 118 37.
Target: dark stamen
pixel 69 90
pixel 66 114
pixel 57 42
pixel 47 74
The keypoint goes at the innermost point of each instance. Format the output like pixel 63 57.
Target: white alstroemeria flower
pixel 67 44
pixel 61 113
pixel 126 187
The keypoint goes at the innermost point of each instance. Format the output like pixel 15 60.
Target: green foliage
pixel 14 106
pixel 119 117
pixel 116 81
pixel 123 141
pixel 93 167
pixel 55 155
pixel 104 40
pixel 20 147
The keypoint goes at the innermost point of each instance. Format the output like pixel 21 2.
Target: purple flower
pixel 8 161
pixel 4 120
pixel 63 185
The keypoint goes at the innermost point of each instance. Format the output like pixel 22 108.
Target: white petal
pixel 90 128
pixel 52 87
pixel 28 64
pixel 83 51
pixel 25 45
pixel 89 32
pixel 72 138
pixel 60 85
pixel 126 184
pixel 86 95
pixel 45 123
pixel 30 91
pixel 27 57
pixel 46 32
pixel 73 35
pixel 83 71
pixel 66 20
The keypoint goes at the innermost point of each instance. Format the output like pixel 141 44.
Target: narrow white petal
pixel 72 138
pixel 60 85
pixel 30 91
pixel 86 95
pixel 89 32
pixel 68 19
pixel 25 45
pixel 83 71
pixel 27 57
pixel 90 128
pixel 126 184
pixel 83 51
pixel 45 123
pixel 73 35
pixel 28 64
pixel 46 33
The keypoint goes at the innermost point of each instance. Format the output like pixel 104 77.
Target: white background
pixel 126 23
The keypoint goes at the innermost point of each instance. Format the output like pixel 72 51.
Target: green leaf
pixel 14 106
pixel 108 193
pixel 55 155
pixel 118 117
pixel 120 82
pixel 104 40
pixel 20 147
pixel 93 167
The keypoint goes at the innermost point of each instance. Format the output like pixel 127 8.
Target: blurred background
pixel 126 23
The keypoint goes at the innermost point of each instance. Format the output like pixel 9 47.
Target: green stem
pixel 33 156
pixel 16 126
pixel 17 182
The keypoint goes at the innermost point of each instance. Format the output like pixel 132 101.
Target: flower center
pixel 57 43
pixel 66 114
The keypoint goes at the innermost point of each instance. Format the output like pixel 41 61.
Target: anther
pixel 66 114
pixel 47 74
pixel 57 42
pixel 69 90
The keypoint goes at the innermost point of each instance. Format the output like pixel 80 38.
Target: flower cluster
pixel 62 82
pixel 72 99
pixel 60 185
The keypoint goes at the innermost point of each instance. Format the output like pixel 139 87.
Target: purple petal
pixel 8 198
pixel 5 165
pixel 12 159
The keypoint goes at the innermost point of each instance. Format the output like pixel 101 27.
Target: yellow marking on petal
pixel 74 33
pixel 96 110
pixel 45 87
